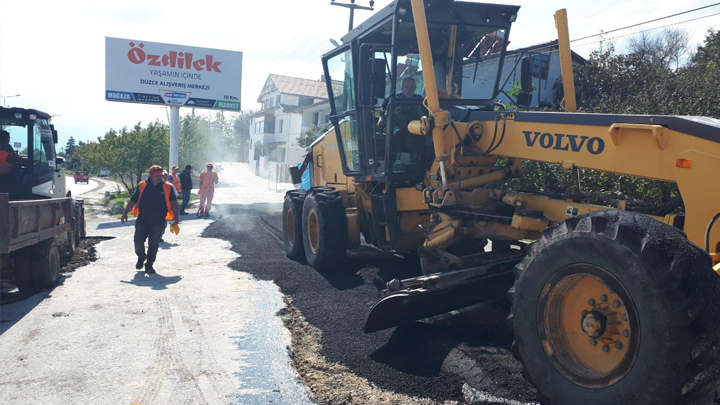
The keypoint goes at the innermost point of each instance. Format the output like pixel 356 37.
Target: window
pixel 43 147
pixel 280 127
pixel 316 118
pixel 303 101
pixel 341 75
pixel 277 100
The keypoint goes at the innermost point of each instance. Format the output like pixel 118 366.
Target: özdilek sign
pixel 156 73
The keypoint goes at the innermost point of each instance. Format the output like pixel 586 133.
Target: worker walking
pixel 208 180
pixel 186 185
pixel 175 181
pixel 153 203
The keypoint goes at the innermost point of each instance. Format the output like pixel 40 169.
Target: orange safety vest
pixel 5 165
pixel 166 188
pixel 176 182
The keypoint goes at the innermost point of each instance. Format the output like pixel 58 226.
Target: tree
pixel 128 153
pixel 708 54
pixel 70 147
pixel 311 135
pixel 241 127
pixel 665 49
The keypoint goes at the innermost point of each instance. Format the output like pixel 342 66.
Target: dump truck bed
pixel 27 222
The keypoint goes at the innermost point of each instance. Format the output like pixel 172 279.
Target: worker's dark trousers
pixel 152 230
pixel 186 199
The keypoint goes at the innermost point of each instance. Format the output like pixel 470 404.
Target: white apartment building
pixel 290 106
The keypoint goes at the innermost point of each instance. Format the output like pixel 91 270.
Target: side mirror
pixel 55 135
pixel 526 75
pixel 59 160
pixel 295 175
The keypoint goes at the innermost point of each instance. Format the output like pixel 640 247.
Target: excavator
pixel 610 303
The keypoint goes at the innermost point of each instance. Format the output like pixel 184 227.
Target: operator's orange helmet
pixel 155 168
pixel 210 165
pixel 174 167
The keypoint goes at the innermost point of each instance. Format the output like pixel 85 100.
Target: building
pixel 545 62
pixel 290 107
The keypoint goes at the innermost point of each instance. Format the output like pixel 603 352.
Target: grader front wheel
pixel 616 308
pixel 292 225
pixel 324 230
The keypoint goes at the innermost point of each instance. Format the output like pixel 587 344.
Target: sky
pixel 53 54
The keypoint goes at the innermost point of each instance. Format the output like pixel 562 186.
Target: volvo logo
pixel 565 142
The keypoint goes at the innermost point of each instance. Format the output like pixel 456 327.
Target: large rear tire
pixel 616 308
pixel 324 228
pixel 45 264
pixel 292 225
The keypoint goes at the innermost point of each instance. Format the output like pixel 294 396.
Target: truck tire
pixel 45 264
pixel 324 228
pixel 292 225
pixel 616 308
pixel 22 271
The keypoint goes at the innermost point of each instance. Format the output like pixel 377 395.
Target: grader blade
pixel 421 297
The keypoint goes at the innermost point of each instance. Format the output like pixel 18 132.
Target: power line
pixel 283 50
pixel 650 29
pixel 313 51
pixel 616 2
pixel 646 22
pixel 298 48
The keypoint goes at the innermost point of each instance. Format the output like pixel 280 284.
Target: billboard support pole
pixel 174 134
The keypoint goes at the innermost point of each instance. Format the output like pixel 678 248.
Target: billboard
pixel 157 73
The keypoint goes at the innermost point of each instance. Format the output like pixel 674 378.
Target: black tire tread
pixel 696 286
pixel 294 200
pixel 333 224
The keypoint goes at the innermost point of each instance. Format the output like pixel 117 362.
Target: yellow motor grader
pixel 611 304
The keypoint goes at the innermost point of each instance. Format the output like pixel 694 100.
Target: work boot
pixel 140 262
pixel 149 269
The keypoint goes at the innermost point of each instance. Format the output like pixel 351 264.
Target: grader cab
pixel 611 304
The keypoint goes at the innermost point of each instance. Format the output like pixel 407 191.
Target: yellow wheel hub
pixel 313 230
pixel 588 325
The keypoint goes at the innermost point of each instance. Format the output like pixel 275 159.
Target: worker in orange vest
pixel 208 180
pixel 175 180
pixel 153 203
pixel 8 158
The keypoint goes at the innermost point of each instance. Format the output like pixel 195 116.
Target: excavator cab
pixel 376 87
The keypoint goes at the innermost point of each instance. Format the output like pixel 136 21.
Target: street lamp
pixel 4 97
pixel 352 6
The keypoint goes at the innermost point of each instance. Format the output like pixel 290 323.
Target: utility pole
pixel 352 6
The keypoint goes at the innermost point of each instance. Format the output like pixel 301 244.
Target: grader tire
pixel 617 308
pixel 45 263
pixel 324 228
pixel 24 279
pixel 292 225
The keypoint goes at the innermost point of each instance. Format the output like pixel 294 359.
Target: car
pixel 81 176
pixel 104 173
